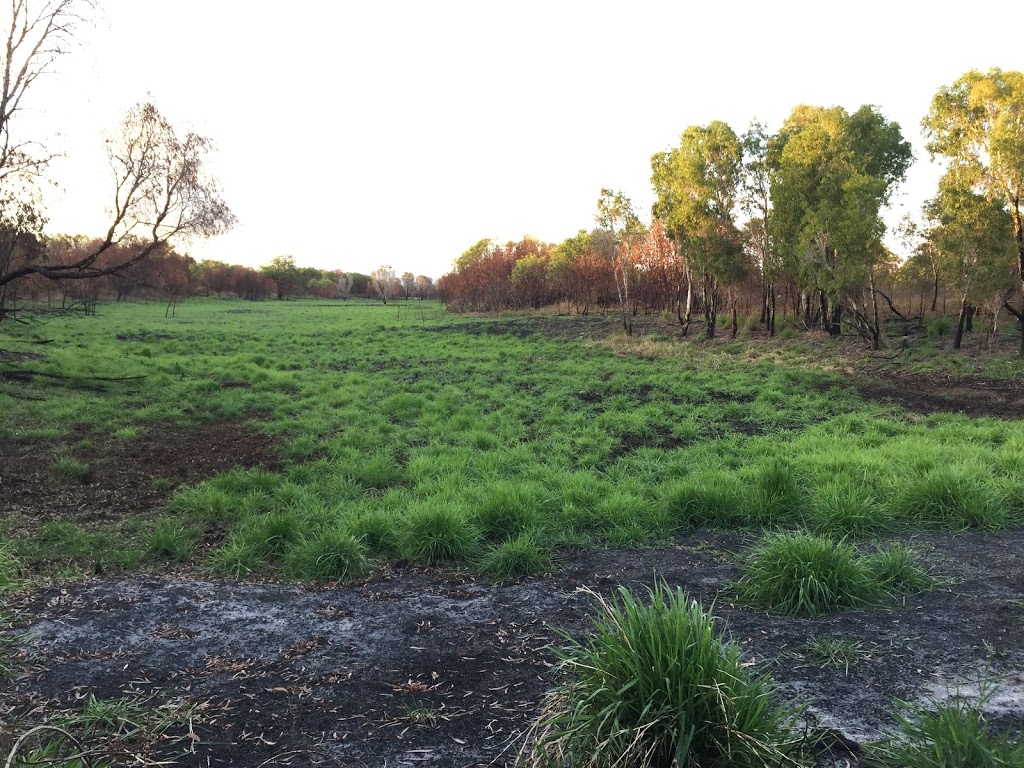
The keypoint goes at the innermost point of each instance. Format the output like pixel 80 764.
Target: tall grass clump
pixel 654 686
pixel 714 498
pixel 515 558
pixel 800 574
pixel 508 509
pixel 170 541
pixel 951 497
pixel 377 529
pixel 776 496
pixel 434 532
pixel 842 506
pixel 896 571
pixel 330 555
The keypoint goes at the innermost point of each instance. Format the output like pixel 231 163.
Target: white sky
pixel 355 133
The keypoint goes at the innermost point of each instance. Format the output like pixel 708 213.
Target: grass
pixel 801 574
pixel 516 558
pixel 945 734
pixel 628 696
pixel 332 555
pixel 447 442
pixel 830 651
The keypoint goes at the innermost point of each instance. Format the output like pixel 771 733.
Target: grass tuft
pixel 896 571
pixel 515 558
pixel 951 498
pixel 331 555
pixel 801 574
pixel 169 541
pixel 435 532
pixel 628 696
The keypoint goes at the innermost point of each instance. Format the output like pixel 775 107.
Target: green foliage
pixel 842 505
pixel 435 532
pixel 330 555
pixel 804 575
pixel 376 529
pixel 508 509
pixel 515 558
pixel 628 696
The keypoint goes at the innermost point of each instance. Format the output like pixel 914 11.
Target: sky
pixel 352 134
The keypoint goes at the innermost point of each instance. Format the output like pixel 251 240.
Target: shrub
pixel 802 574
pixel 951 497
pixel 517 557
pixel 630 696
pixel 331 555
pixel 433 533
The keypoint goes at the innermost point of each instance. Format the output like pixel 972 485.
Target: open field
pixel 341 533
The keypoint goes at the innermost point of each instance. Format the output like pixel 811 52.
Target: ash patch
pixel 418 665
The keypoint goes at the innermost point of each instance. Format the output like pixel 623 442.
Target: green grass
pixel 576 444
pixel 948 734
pixel 515 558
pixel 801 574
pixel 330 555
pixel 830 651
pixel 629 696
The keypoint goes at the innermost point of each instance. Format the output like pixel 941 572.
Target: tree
pixel 832 172
pixel 408 284
pixel 977 123
pixel 756 201
pixel 161 191
pixel 285 274
pixel 697 185
pixel 975 246
pixel 622 229
pixel 384 281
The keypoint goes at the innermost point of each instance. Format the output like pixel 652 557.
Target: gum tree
pixel 697 186
pixel 977 124
pixel 832 173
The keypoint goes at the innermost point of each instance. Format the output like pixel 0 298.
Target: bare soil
pixel 119 482
pixel 433 667
pixel 940 393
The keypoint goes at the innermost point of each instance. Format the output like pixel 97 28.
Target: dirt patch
pixel 121 479
pixel 938 393
pixel 418 666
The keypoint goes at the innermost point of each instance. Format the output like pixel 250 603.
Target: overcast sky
pixel 351 134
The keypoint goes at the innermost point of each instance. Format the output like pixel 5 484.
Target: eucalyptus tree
pixel 832 173
pixel 974 246
pixel 977 123
pixel 756 202
pixel 621 230
pixel 697 186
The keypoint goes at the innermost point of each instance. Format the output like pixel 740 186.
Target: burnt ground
pixel 940 393
pixel 125 478
pixel 431 667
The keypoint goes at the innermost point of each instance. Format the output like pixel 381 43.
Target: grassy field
pixel 399 432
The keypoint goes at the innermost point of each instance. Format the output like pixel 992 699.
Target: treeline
pixel 791 221
pixel 168 275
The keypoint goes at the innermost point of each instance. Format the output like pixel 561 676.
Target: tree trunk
pixel 961 321
pixel 771 313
